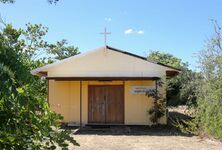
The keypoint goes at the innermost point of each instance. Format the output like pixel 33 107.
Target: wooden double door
pixel 106 104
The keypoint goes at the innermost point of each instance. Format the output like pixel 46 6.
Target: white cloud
pixel 129 31
pixel 132 31
pixel 108 19
pixel 140 32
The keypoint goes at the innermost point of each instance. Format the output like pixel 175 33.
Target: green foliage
pixel 60 51
pixel 7 1
pixel 208 111
pixel 209 98
pixel 165 58
pixel 40 50
pixel 178 91
pixel 34 45
pixel 26 121
pixel 159 108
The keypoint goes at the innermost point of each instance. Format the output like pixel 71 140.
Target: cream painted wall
pixel 64 98
pixel 136 105
pixel 106 63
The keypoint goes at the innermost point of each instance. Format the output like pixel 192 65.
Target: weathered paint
pixel 64 98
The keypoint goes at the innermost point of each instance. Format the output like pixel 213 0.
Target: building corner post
pixel 47 91
pixel 80 103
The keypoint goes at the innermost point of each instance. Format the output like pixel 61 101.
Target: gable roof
pixel 141 57
pixel 42 71
pixel 37 71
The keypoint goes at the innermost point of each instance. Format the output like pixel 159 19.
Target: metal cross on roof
pixel 105 35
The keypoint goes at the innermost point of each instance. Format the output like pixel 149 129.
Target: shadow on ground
pixel 155 130
pixel 173 115
pixel 131 130
pixel 177 117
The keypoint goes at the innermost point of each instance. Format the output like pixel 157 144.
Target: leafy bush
pixel 159 108
pixel 208 110
pixel 178 91
pixel 26 121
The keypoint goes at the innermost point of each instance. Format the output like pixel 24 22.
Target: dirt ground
pixel 107 142
pixel 161 140
pixel 141 138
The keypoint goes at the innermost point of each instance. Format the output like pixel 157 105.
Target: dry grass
pixel 142 138
pixel 126 142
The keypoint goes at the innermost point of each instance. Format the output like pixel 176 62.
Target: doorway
pixel 106 104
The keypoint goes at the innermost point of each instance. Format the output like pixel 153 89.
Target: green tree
pixel 38 49
pixel 166 58
pixel 26 121
pixel 178 91
pixel 61 51
pixel 33 43
pixel 207 115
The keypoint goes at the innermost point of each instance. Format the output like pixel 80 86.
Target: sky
pixel 177 27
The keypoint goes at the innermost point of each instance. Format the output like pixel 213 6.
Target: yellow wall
pixel 64 98
pixel 136 105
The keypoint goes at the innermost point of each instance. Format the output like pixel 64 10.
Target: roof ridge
pixel 35 71
pixel 141 57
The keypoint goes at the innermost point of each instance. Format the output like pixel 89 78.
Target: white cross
pixel 105 34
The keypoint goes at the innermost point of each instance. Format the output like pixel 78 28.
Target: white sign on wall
pixel 140 89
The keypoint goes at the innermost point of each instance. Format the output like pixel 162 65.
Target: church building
pixel 104 86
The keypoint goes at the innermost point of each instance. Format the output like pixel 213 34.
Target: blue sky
pixel 138 26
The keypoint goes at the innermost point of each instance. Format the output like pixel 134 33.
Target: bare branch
pixel 2 21
pixel 217 30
